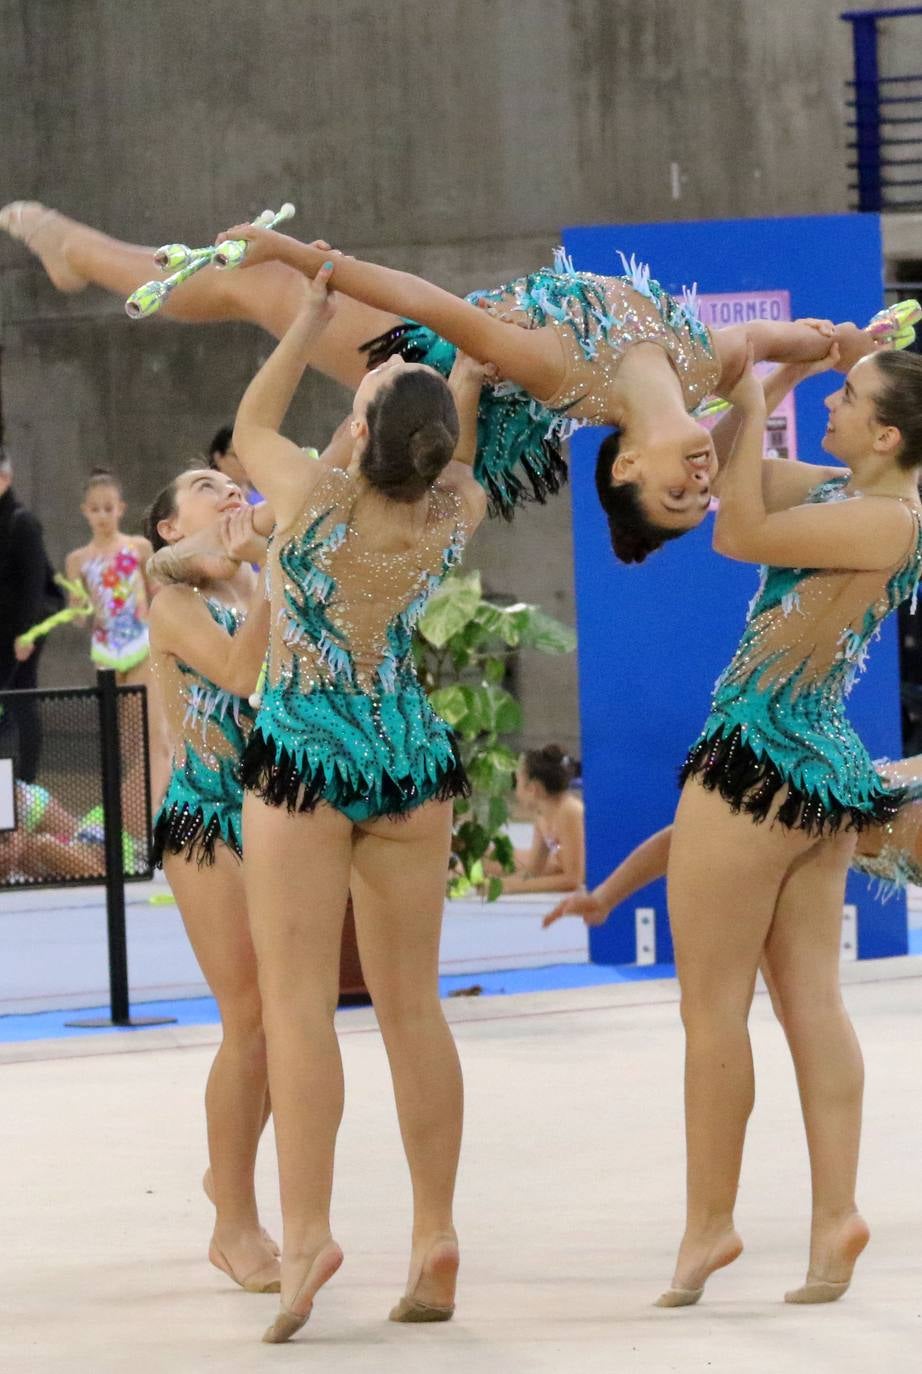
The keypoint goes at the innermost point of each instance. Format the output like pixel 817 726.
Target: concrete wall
pixel 453 138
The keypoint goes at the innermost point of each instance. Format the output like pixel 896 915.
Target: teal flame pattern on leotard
pixel 518 438
pixel 780 727
pixel 340 722
pixel 204 795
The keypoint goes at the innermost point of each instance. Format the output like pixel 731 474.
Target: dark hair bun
pixel 412 431
pixel 101 477
pixel 552 767
pixel 427 449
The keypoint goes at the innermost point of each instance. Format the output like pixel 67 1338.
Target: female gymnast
pixel 774 791
pixel 208 638
pixel 111 569
pixel 350 777
pixel 573 347
pixel 555 861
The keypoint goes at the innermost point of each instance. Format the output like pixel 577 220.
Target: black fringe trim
pixel 749 784
pixel 543 478
pixel 280 781
pixel 182 831
pixel 397 340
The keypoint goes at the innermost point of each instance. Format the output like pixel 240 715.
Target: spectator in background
pixel 28 593
pixel 222 458
pixel 556 858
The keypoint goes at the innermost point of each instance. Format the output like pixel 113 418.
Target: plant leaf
pixel 541 631
pixel 450 608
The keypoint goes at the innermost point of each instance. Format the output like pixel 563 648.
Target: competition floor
pixel 569 1205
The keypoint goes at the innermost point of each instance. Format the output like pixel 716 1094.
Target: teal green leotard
pixel 777 726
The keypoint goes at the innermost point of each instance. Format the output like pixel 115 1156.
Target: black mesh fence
pixel 53 760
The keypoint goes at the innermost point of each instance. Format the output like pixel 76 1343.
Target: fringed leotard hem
pixel 283 777
pixel 195 833
pixel 751 783
pixel 777 741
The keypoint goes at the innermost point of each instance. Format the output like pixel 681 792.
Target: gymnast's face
pixel 853 426
pixel 103 508
pixel 202 496
pixel 673 475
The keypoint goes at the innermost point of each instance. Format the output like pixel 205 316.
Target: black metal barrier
pixel 81 814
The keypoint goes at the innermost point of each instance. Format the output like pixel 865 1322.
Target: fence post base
pixel 132 1022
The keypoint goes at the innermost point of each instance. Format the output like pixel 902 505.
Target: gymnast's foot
pixel 430 1295
pixel 246 1258
pixel 44 233
pixel 700 1255
pixel 208 1188
pixel 834 1251
pixel 312 1272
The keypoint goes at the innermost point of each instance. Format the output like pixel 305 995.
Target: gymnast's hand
pixel 831 360
pixel 238 537
pixel 268 245
pixel 467 371
pixel 581 903
pixel 318 305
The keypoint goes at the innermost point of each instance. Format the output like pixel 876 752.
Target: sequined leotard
pixel 596 320
pixel 119 597
pixel 777 723
pixel 209 728
pixel 898 862
pixel 344 719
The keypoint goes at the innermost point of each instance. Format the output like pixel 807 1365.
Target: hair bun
pixel 430 448
pixel 553 753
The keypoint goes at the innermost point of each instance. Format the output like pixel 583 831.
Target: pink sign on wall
pixel 719 310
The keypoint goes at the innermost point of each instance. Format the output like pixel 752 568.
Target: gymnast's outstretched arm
pixel 531 357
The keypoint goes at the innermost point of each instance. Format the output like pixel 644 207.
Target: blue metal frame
pixel 870 140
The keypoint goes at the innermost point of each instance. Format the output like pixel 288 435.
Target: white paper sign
pixel 7 795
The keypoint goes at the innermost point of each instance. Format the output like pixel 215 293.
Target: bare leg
pixel 211 901
pixel 297 882
pixel 398 888
pixel 724 877
pixel 803 952
pixel 75 255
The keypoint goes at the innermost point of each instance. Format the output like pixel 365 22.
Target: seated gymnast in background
pixel 555 861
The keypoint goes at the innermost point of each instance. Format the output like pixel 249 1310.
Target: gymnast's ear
pixel 626 467
pixel 166 530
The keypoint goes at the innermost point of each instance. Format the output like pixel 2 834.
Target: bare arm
pixel 466 382
pixel 276 466
pixel 73 574
pixel 865 533
pixel 531 357
pixel 643 865
pixel 785 482
pixel 181 625
pixel 784 341
pixel 144 550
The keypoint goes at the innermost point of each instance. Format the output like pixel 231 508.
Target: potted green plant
pixel 462 648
